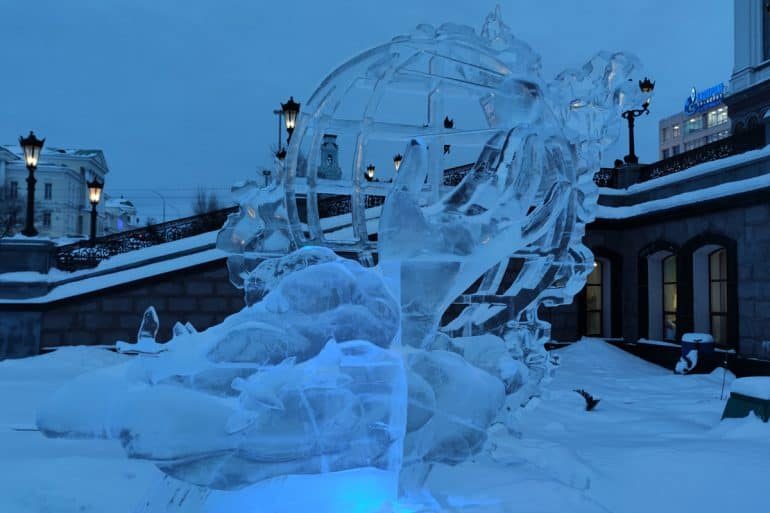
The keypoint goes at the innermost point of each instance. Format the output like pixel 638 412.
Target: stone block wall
pixel 747 224
pixel 201 295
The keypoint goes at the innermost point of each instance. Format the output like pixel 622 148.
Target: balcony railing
pixel 747 140
pixel 84 255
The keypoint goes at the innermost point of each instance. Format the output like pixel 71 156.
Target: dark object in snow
pixel 591 402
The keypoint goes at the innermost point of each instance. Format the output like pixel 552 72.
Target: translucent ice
pixel 148 329
pixel 145 337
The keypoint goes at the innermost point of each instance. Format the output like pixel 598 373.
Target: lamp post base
pixel 631 159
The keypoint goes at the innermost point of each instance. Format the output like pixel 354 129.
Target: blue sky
pixel 179 94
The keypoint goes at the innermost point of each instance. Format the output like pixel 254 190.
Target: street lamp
pixel 280 153
pixel 290 110
pixel 397 161
pixel 94 195
pixel 369 175
pixel 645 86
pixel 31 146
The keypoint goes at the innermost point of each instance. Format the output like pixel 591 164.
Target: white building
pixel 120 215
pixel 61 196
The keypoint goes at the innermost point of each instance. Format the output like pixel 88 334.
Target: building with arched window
pixel 689 235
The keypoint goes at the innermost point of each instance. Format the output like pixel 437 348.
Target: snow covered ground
pixel 653 444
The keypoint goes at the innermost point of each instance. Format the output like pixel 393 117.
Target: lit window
pixel 48 191
pixel 693 125
pixel 718 295
pixel 669 297
pixel 594 301
pixel 47 219
pixel 675 132
pixel 717 117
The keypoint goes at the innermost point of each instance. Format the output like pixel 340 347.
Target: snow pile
pixel 754 386
pixel 652 431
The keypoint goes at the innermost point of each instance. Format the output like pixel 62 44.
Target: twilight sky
pixel 179 93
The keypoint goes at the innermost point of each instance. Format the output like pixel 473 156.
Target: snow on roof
pixel 686 198
pixel 54 151
pixel 76 152
pixel 121 204
pixel 697 170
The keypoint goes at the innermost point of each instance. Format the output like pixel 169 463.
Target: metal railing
pixel 751 139
pixel 85 255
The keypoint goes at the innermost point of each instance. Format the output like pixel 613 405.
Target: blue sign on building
pixel 699 101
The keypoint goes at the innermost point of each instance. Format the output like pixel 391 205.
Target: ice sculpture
pixel 148 329
pixel 146 336
pixel 344 373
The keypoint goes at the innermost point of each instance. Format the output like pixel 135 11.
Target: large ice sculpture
pixel 335 369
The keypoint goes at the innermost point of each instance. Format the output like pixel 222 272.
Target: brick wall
pixel 747 225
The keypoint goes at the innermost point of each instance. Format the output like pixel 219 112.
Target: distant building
pixel 703 120
pixel 330 166
pixel 683 245
pixel 749 99
pixel 120 215
pixel 62 208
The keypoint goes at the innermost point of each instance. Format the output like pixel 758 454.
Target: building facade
pixel 686 247
pixel 62 208
pixel 703 120
pixel 119 215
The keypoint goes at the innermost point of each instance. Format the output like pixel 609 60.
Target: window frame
pixel 723 280
pixel 668 313
pixel 599 270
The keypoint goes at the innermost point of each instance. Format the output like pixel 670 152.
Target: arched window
pixel 669 289
pixel 594 301
pixel 718 295
pixel 714 289
pixel 599 319
pixel 659 291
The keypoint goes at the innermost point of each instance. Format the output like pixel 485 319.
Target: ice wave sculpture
pixel 334 368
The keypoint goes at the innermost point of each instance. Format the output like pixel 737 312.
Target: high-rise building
pixel 704 119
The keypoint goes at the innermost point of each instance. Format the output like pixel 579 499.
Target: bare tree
pixel 10 212
pixel 205 202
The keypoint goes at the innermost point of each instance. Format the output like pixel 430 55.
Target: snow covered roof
pixel 730 185
pixel 54 153
pixel 121 204
pixel 705 168
pixel 7 155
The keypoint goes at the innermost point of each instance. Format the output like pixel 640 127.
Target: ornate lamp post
pixel 369 175
pixel 397 161
pixel 94 195
pixel 290 111
pixel 31 146
pixel 645 86
pixel 280 153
